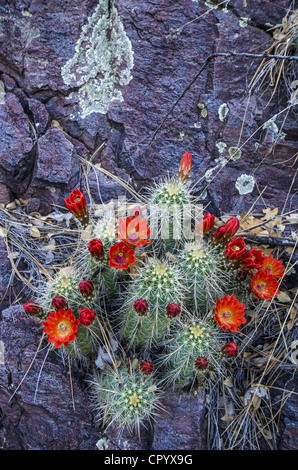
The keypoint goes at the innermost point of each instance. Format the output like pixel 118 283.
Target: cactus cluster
pixel 175 303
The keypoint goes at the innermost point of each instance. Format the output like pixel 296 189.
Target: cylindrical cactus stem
pixel 125 396
pixel 145 317
pixel 191 351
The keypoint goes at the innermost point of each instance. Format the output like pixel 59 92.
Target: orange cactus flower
pixel 185 166
pixel 229 313
pixel 235 248
pixel 121 256
pixel 134 231
pixel 263 284
pixel 274 266
pixel 61 327
pixel 252 259
pixel 76 204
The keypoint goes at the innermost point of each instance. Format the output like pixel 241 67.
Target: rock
pixel 5 194
pixel 36 205
pixel 16 146
pixel 57 168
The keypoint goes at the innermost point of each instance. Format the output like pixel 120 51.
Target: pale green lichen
pixel 223 111
pixel 245 184
pixel 235 153
pixel 102 62
pixel 243 22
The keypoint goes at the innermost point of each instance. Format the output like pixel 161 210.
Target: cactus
pixel 124 396
pixel 192 351
pixel 209 275
pixel 159 283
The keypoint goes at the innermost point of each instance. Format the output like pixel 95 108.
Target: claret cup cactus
pixel 172 287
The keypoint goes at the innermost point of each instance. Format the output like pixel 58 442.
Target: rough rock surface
pixel 43 135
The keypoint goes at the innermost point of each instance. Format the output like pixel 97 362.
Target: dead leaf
pixel 284 297
pixel 34 232
pixel 86 233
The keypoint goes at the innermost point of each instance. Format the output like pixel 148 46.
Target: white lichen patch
pixel 221 147
pixel 102 62
pixel 223 111
pixel 245 184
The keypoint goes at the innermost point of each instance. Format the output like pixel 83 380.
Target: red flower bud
pixel 226 231
pixel 146 367
pixel 206 223
pixel 96 249
pixel 235 248
pixel 230 349
pixel 76 204
pixel 59 302
pixel 141 306
pixel 86 288
pixel 232 226
pixel 32 308
pixel 201 363
pixel 173 310
pixel 86 316
pixel 185 166
pixel 218 235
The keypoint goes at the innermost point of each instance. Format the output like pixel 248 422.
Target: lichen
pixel 245 184
pixel 221 146
pixel 102 62
pixel 235 153
pixel 223 111
pixel 243 22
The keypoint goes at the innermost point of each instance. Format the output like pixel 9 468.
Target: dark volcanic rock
pixel 16 145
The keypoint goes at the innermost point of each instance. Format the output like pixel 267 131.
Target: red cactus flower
pixel 96 249
pixel 76 204
pixel 173 310
pixel 133 230
pixel 121 256
pixel 32 308
pixel 59 302
pixel 146 367
pixel 235 248
pixel 263 284
pixel 86 316
pixel 61 327
pixel 229 313
pixel 226 231
pixel 229 349
pixel 252 259
pixel 185 166
pixel 86 288
pixel 274 266
pixel 201 363
pixel 141 306
pixel 206 223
